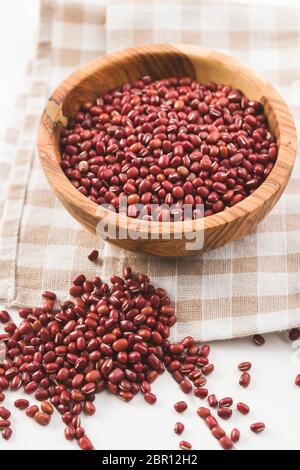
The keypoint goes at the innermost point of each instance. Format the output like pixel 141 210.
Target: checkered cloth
pixel 252 285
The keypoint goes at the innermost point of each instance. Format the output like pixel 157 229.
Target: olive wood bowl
pixel 110 71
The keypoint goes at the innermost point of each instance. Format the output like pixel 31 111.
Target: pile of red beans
pixel 107 337
pixel 170 142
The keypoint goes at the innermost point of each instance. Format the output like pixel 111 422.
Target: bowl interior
pixel 115 71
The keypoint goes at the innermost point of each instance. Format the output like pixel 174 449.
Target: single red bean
pixel 297 380
pixel 4 423
pixel 207 369
pixel 294 334
pixel 4 413
pixel 79 432
pixel 205 350
pixel 211 422
pixel 42 418
pixel 235 435
pixel 259 340
pixel 4 316
pixel 200 392
pixel 212 401
pixel 244 366
pixel 180 406
pixel 120 345
pixel 115 376
pixel 31 411
pixel 226 443
pixel 69 432
pixel 186 386
pixel 224 412
pixel 188 342
pixel 176 348
pixel 93 255
pixel 178 428
pixel 185 445
pixel 7 433
pixel 227 401
pixel 150 398
pixel 89 408
pixel 257 427
pixel 21 404
pixel 218 432
pixel 41 395
pixel 49 295
pixel 85 443
pixel 46 407
pixel 203 412
pixel 93 376
pixel 243 408
pixel 245 379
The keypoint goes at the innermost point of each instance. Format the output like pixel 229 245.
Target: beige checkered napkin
pixel 251 285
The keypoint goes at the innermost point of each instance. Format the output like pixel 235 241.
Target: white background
pixel 272 395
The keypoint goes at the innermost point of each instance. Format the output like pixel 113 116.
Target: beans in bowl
pixel 169 142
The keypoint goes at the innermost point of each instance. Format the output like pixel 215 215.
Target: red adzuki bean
pixel 226 443
pixel 186 386
pixel 259 340
pixel 245 380
pixel 7 433
pixel 257 427
pixel 201 392
pixel 47 408
pixel 294 334
pixel 93 255
pixel 178 428
pixel 203 412
pixel 180 406
pixel 217 432
pixel 31 411
pixel 21 404
pixel 212 401
pixel 4 423
pixel 235 435
pixel 211 422
pixel 208 369
pixel 244 366
pixel 297 380
pixel 4 316
pixel 227 401
pixel 150 398
pixel 69 432
pixel 185 445
pixel 4 413
pixel 85 444
pixel 42 418
pixel 224 412
pixel 243 408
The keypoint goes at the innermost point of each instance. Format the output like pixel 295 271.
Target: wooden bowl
pixel 160 61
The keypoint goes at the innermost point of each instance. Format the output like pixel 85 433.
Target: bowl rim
pixel 286 146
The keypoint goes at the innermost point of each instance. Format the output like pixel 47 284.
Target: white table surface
pixel 272 395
